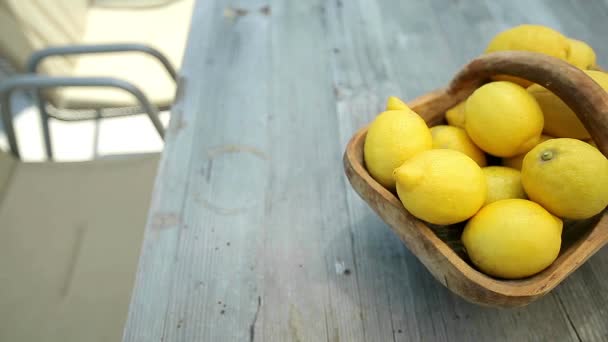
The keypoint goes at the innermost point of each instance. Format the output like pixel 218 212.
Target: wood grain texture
pixel 305 283
pixel 199 279
pixel 271 93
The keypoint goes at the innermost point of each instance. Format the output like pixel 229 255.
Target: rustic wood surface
pixel 254 232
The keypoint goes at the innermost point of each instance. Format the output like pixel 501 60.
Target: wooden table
pixel 254 232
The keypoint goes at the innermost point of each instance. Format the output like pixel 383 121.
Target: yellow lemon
pixel 515 162
pixel 512 238
pixel 456 138
pixel 534 38
pixel 441 186
pixel 560 120
pixel 503 183
pixel 395 103
pixel 566 176
pixel 455 115
pixel 581 54
pixel 599 77
pixel 503 119
pixel 392 138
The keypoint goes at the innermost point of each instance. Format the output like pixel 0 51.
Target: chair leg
pixel 46 129
pixel 7 121
pixel 96 131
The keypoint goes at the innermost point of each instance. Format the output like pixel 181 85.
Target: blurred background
pixel 86 123
pixel 86 88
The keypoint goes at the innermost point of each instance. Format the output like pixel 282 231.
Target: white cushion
pixel 165 28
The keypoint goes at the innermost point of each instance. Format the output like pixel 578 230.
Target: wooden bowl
pixel 438 248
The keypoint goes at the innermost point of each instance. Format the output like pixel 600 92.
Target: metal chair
pixel 92 42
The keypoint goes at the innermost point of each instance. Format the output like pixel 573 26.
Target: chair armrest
pixel 38 82
pixel 38 56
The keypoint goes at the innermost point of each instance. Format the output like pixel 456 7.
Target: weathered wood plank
pixel 363 77
pixel 215 290
pixel 308 292
pixel 466 26
pixel 254 233
pixel 197 281
pixel 152 290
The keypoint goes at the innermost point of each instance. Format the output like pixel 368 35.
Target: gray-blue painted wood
pixel 254 232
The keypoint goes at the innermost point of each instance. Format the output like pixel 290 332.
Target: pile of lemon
pixel 550 168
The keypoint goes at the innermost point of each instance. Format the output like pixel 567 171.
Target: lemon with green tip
pixel 568 177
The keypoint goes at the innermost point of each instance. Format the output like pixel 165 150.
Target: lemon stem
pixel 547 155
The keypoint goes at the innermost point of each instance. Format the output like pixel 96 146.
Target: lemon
pixel 515 162
pixel 503 119
pixel 503 183
pixel 599 77
pixel 566 176
pixel 512 238
pixel 392 138
pixel 455 115
pixel 560 120
pixel 395 103
pixel 441 186
pixel 456 138
pixel 581 54
pixel 534 38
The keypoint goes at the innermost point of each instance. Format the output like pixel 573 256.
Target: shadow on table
pixel 391 284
